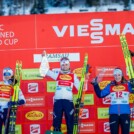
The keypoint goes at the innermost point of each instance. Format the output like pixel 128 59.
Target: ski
pixel 80 96
pixel 127 57
pixel 15 97
pixel 128 61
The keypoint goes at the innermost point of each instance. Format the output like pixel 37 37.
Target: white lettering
pixel 72 31
pixel 128 29
pixel 10 41
pixel 6 34
pixel 1 25
pixel 97 38
pixel 97 24
pixel 112 30
pixel 58 32
pixel 96 30
pixel 82 30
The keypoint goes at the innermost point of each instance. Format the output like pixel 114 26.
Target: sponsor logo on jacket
pixel 65 77
pixel 118 88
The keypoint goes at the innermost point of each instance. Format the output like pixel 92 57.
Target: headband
pixel 118 71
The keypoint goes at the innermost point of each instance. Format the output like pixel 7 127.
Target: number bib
pixel 120 97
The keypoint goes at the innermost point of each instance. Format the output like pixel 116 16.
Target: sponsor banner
pixel 34 128
pixel 106 127
pixel 88 99
pixel 84 113
pixel 55 57
pixel 92 34
pixel 10 35
pixel 50 114
pixel 51 86
pixel 132 126
pixel 89 112
pixel 132 112
pixel 94 29
pixel 33 87
pixel 78 72
pixel 18 129
pixel 87 127
pixel 34 101
pixel 103 84
pixel 131 98
pixel 106 71
pixel 103 113
pixel 19 115
pixel 103 127
pixel 106 100
pixel 31 74
pixel 38 115
pixel 49 100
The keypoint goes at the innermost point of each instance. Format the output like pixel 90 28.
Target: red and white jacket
pixel 64 84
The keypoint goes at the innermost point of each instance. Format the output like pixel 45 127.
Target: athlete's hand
pixel 44 53
pixel 94 80
pixel 11 103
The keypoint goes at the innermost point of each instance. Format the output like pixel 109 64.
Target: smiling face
pixel 65 67
pixel 7 73
pixel 118 75
pixel 65 64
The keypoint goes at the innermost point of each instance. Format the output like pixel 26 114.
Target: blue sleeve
pixel 101 93
pixel 130 88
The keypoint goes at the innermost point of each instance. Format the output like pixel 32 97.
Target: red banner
pixel 71 35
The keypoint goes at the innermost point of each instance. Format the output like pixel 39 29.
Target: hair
pixel 64 58
pixel 13 80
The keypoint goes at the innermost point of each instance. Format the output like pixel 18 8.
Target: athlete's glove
pixel 132 84
pixel 12 103
pixel 94 81
pixel 131 53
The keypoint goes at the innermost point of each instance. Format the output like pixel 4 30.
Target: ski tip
pixel 122 35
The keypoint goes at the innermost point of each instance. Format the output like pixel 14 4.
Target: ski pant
pixel 122 120
pixel 3 117
pixel 67 107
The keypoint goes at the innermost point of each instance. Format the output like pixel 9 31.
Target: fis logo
pixel 33 88
pixel 84 114
pixel 107 100
pixel 35 129
pixel 106 127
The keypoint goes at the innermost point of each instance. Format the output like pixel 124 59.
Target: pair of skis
pixel 127 57
pixel 80 96
pixel 12 111
pixel 128 61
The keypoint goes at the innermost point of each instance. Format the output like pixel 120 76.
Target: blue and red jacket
pixel 119 94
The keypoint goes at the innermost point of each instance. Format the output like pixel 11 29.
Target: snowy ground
pixel 79 6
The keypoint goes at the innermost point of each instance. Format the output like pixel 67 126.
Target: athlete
pixel 63 98
pixel 119 110
pixel 6 92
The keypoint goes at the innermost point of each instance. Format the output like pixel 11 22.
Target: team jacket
pixel 6 91
pixel 64 84
pixel 119 95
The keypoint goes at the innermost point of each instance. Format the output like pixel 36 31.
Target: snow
pixel 78 6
